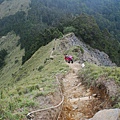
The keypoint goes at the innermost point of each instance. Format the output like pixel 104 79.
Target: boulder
pixel 107 114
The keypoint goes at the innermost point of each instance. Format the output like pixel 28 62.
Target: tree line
pixel 3 53
pixel 96 22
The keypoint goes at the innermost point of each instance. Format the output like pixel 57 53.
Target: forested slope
pixel 47 19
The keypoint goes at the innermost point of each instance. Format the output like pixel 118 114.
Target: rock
pixel 75 107
pixel 107 114
pixel 94 95
pixel 83 65
pixel 41 89
pixel 90 55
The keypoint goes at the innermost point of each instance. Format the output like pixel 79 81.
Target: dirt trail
pixel 78 102
pixel 77 98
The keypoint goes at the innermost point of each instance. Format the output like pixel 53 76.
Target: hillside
pixel 10 7
pixel 13 60
pixel 25 87
pixel 36 82
pixel 35 21
pixel 33 85
pixel 87 53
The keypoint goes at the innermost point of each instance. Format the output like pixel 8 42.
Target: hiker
pixel 68 58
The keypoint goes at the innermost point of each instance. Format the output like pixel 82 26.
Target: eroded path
pixel 77 98
pixel 78 102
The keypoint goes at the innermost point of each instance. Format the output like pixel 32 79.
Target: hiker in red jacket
pixel 68 58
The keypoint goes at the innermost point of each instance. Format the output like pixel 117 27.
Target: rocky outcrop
pixel 90 55
pixel 110 114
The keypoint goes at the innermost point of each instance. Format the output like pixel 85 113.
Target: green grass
pixel 75 52
pixel 91 73
pixel 19 93
pixel 20 5
pixel 21 85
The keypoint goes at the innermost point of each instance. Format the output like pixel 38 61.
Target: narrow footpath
pixel 77 99
pixel 77 103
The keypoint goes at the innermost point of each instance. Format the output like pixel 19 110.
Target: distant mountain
pixel 38 21
pixel 11 7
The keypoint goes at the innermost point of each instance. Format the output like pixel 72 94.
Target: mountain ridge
pixel 89 54
pixel 42 32
pixel 84 52
pixel 53 18
pixel 34 82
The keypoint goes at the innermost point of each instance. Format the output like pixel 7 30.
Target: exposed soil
pixel 79 103
pixel 49 107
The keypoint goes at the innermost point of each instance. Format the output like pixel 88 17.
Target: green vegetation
pixel 68 30
pixel 75 51
pixel 86 28
pixel 93 75
pixel 37 40
pixel 50 19
pixel 3 53
pixel 34 79
pixel 95 22
pixel 92 72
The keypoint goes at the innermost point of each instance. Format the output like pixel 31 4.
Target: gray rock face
pixel 110 114
pixel 90 55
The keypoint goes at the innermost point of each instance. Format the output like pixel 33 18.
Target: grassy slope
pixel 19 89
pixel 10 7
pixel 93 72
pixel 93 75
pixel 13 59
pixel 18 93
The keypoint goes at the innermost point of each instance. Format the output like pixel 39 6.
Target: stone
pixel 107 114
